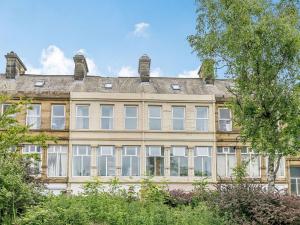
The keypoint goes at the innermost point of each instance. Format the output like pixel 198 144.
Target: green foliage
pixel 258 41
pixel 240 172
pixel 18 189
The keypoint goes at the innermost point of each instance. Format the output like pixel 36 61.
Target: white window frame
pixel 251 154
pixel 131 117
pixel 226 153
pixel 40 162
pixel 59 117
pixel 154 117
pixel 137 154
pixel 77 116
pixel 185 155
pixel 178 118
pixel 111 118
pixel 39 119
pixel 208 155
pixel 58 149
pixel 221 119
pixel 198 119
pixel 148 155
pixel 112 154
pixel 88 153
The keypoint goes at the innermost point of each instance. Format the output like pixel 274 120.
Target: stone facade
pixel 141 92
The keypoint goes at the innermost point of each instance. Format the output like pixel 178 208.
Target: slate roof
pixel 64 84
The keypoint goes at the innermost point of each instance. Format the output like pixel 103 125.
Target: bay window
pixel 57 160
pixel 202 161
pixel 81 160
pixel 253 162
pixel 33 116
pixel 130 161
pixel 106 162
pixel 155 161
pixel 226 161
pixel 179 161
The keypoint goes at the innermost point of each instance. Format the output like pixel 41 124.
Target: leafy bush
pixel 179 197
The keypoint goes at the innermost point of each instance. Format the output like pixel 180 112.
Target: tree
pixel 258 43
pixel 18 188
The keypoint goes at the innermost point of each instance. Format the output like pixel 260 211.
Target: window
pixel 33 118
pixel 295 180
pixel 81 160
pixel 202 161
pixel 107 117
pixel 225 123
pixel 178 117
pixel 226 161
pixel 82 116
pixel 36 163
pixel 253 162
pixel 202 119
pixel 175 86
pixel 57 160
pixel 108 86
pixel 179 161
pixel 5 107
pixel 154 117
pixel 155 161
pixel 131 117
pixel 39 83
pixel 130 161
pixel 281 169
pixel 106 162
pixel 58 117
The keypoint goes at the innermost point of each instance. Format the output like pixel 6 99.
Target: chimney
pixel 207 71
pixel 81 68
pixel 144 68
pixel 14 65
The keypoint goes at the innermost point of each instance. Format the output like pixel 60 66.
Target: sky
pixel 112 34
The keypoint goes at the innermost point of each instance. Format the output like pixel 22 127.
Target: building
pixel 176 130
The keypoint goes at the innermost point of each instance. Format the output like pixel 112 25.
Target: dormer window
pixel 108 85
pixel 175 86
pixel 39 83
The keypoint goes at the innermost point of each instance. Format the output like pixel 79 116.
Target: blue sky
pixel 113 34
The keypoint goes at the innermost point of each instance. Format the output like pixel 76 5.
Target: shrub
pixel 179 197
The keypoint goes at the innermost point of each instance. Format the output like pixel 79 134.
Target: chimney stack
pixel 144 68
pixel 81 68
pixel 14 66
pixel 207 71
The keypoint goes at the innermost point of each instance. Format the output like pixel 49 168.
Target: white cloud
pixel 140 29
pixel 53 61
pixel 189 74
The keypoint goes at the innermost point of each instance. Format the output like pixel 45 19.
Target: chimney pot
pixel 14 65
pixel 144 68
pixel 81 68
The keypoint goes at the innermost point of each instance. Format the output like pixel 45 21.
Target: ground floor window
pixel 202 161
pixel 130 161
pixel 252 161
pixel 295 180
pixel 57 160
pixel 179 161
pixel 36 158
pixel 155 161
pixel 226 161
pixel 81 160
pixel 281 168
pixel 106 161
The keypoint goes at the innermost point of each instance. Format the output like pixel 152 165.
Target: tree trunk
pixel 273 166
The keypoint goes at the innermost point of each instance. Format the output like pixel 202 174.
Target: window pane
pixel 58 110
pixel 221 165
pixel 295 171
pixel 294 186
pixel 202 125
pixel 154 151
pixel 207 166
pixel 131 111
pixel 178 124
pixel 178 151
pixel 106 123
pixel 58 123
pixel 202 112
pixel 154 111
pixel 224 113
pixel 174 166
pixel 155 166
pixel 178 112
pixel 34 110
pixel 82 110
pixel 231 164
pixel 77 166
pixel 155 124
pixel 126 166
pixel 107 110
pixel 131 123
pixel 135 170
